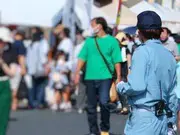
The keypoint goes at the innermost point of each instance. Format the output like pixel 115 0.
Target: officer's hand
pixel 119 86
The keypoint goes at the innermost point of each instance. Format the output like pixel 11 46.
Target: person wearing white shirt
pixel 66 44
pixel 36 61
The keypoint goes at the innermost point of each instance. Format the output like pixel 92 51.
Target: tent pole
pixel 115 30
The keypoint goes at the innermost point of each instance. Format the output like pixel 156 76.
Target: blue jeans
pixel 37 92
pixel 98 89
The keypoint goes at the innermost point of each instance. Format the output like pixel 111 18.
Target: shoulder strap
pixel 104 59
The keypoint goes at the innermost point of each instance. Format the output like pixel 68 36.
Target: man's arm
pixel 80 65
pixel 21 58
pixel 136 81
pixel 118 72
pixel 21 61
pixel 82 58
pixel 117 58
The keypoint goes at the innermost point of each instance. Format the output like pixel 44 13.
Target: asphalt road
pixel 46 122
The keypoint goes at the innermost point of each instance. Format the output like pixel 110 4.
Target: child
pixel 58 81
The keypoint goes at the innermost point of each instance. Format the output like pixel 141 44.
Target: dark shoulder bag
pixel 113 92
pixel 114 76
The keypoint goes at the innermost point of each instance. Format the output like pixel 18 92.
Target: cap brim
pixel 130 30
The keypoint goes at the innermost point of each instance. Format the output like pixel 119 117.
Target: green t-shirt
pixel 96 69
pixel 178 47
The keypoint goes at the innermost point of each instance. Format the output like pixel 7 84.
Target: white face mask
pixel 96 30
pixel 61 61
pixel 93 31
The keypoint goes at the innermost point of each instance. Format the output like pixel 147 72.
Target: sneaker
pixel 54 107
pixel 68 107
pixel 80 111
pixel 105 133
pixel 62 106
pixel 98 109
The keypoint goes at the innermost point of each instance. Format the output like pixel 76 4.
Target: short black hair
pixel 102 22
pixel 151 33
pixel 38 30
pixel 66 32
pixel 21 33
pixel 167 29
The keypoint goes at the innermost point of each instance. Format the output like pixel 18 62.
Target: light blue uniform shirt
pixel 177 89
pixel 153 67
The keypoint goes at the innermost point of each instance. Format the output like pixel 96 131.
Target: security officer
pixel 151 81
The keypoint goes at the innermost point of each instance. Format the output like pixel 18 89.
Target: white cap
pixel 5 35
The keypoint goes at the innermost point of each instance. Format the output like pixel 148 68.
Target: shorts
pixel 15 80
pixel 60 88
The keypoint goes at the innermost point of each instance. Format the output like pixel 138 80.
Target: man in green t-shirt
pixel 98 77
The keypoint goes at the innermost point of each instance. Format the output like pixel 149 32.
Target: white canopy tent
pixel 47 13
pixel 173 15
pixel 143 6
pixel 174 24
pixel 127 18
pixel 169 17
pixel 109 12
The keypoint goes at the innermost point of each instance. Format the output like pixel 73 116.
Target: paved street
pixel 50 123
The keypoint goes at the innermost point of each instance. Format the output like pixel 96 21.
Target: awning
pixel 127 16
pixel 144 6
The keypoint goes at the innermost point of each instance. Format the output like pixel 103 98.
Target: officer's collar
pixel 153 41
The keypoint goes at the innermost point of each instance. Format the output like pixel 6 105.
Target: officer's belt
pixel 143 107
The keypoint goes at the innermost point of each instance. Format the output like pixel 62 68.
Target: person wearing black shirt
pixel 20 67
pixel 7 57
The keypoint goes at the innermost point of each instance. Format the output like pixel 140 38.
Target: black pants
pixel 98 89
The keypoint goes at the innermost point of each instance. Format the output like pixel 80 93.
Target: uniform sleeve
pixel 173 100
pixel 116 52
pixel 84 52
pixel 137 79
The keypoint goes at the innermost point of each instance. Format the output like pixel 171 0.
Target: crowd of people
pixel 42 73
